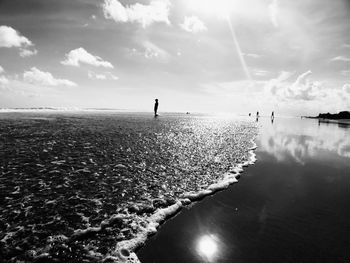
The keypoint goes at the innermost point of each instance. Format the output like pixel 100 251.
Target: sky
pixel 233 56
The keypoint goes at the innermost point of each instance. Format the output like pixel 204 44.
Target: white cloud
pixel 80 55
pixel 156 11
pixel 9 37
pixel 193 24
pixel 105 76
pixel 38 77
pixel 151 51
pixel 273 12
pixel 346 45
pixel 27 52
pixel 3 80
pixel 341 58
pixel 1 69
pixel 275 85
pixel 302 89
pixel 346 88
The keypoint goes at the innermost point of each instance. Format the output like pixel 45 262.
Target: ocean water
pixel 75 185
pixel 292 205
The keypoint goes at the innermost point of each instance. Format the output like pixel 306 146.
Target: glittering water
pixel 63 174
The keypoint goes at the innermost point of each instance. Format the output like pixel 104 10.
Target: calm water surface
pixel 293 205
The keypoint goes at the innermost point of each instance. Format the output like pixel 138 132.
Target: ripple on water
pixel 76 187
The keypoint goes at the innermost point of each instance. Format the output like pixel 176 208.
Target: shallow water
pixel 72 185
pixel 293 205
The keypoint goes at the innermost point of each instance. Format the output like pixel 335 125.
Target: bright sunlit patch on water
pixel 207 246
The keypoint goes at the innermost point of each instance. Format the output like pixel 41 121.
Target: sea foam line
pixel 125 250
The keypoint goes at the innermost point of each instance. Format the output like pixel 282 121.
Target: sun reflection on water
pixel 207 247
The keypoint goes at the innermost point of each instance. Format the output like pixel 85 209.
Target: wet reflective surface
pixel 293 205
pixel 74 184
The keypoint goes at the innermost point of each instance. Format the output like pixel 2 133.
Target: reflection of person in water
pixel 156 108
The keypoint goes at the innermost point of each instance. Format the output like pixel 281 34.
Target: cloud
pixel 27 52
pixel 346 45
pixel 341 58
pixel 38 77
pixel 105 76
pixel 193 24
pixel 9 37
pixel 151 51
pixel 80 55
pixel 346 88
pixel 276 85
pixel 156 11
pixel 3 80
pixel 273 12
pixel 302 88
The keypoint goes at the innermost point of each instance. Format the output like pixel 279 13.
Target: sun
pixel 219 8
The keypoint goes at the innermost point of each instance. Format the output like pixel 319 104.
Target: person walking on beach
pixel 272 115
pixel 156 108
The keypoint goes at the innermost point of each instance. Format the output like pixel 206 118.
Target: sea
pixel 292 205
pixel 92 186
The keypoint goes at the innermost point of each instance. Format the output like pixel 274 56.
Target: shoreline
pixel 335 121
pixel 266 216
pixel 125 251
pixel 126 222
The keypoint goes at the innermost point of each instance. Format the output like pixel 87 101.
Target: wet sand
pixel 291 206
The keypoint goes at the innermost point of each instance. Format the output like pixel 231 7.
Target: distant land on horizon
pixel 337 116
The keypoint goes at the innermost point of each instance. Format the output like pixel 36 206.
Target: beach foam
pixel 107 181
pixel 125 250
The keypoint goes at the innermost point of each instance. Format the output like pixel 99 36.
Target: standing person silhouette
pixel 156 108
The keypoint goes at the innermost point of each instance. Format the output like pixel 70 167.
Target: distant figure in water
pixel 156 108
pixel 272 116
pixel 250 114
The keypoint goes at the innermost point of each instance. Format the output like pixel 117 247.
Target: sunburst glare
pixel 207 247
